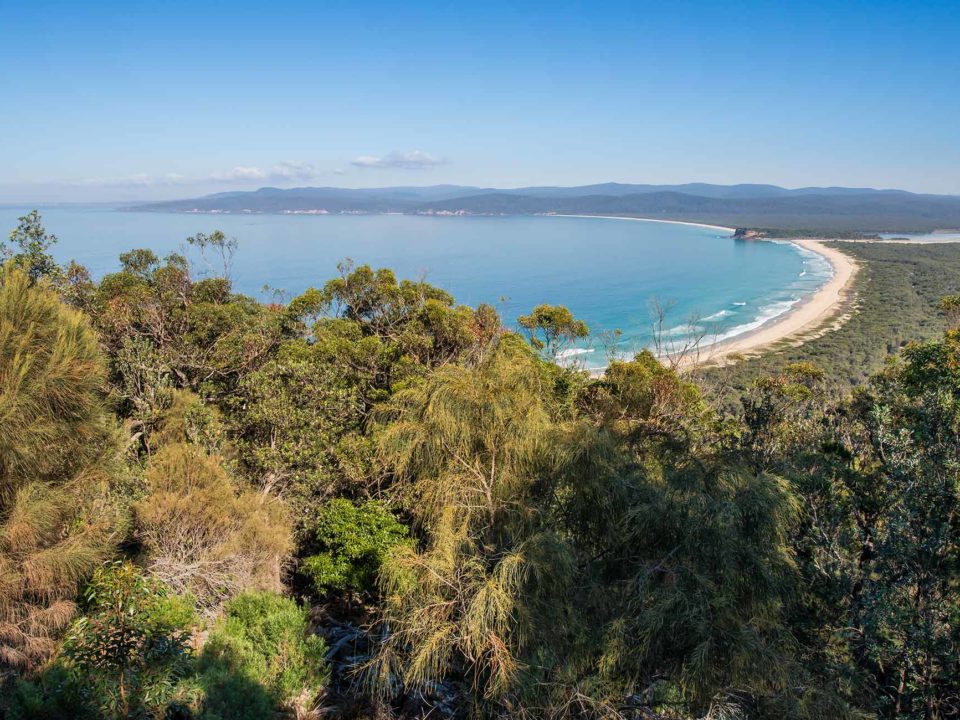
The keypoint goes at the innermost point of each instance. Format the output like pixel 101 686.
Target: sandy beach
pixel 801 322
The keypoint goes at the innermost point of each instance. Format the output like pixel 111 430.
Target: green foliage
pixel 163 332
pixel 52 419
pixel 353 541
pixel 126 653
pixel 300 417
pixel 707 545
pixel 482 458
pixel 949 305
pixel 34 243
pixel 877 544
pixel 643 398
pixel 905 605
pixel 781 415
pixel 260 656
pixel 51 694
pixel 140 263
pixel 298 427
pixel 204 536
pixel 418 320
pixel 188 420
pixel 551 327
pixel 129 656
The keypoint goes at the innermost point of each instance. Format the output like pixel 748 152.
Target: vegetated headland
pixel 827 211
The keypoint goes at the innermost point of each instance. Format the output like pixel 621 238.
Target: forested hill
pixel 815 209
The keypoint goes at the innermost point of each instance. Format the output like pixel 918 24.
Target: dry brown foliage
pixel 56 444
pixel 204 535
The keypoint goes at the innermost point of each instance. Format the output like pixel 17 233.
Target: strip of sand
pixel 801 321
pixel 640 219
pixel 799 324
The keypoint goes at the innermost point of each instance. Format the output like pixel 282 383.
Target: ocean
pixel 609 272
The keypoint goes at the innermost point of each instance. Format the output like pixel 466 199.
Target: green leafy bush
pixel 122 658
pixel 353 541
pixel 257 658
pixel 50 695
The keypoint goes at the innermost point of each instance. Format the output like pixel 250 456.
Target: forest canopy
pixel 370 501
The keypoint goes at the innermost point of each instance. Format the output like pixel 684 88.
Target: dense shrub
pixel 122 658
pixel 52 694
pixel 258 657
pixel 202 534
pixel 57 446
pixel 353 541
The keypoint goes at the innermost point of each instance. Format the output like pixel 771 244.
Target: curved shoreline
pixel 806 318
pixel 799 323
pixel 641 219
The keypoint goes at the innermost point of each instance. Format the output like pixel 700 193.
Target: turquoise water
pixel 606 271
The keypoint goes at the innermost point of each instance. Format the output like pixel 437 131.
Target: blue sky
pixel 116 100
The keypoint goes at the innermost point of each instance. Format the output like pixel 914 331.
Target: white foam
pixel 718 315
pixel 682 330
pixel 768 313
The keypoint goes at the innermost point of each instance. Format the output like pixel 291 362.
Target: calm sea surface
pixel 606 271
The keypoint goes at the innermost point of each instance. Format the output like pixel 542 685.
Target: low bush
pixel 123 658
pixel 353 541
pixel 203 535
pixel 259 657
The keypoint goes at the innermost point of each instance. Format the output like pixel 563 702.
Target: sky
pixel 105 101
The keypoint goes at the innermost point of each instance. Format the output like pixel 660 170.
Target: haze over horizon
pixel 119 102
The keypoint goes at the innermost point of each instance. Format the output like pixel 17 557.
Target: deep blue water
pixel 606 271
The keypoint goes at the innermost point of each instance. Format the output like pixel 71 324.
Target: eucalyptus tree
pixel 33 244
pixel 552 327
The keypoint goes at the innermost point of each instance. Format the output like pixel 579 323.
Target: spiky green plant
pixel 54 436
pixel 474 446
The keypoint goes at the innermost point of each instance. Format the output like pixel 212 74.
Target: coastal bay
pixel 801 322
pixel 608 271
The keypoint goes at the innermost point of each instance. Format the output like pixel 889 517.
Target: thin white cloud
pixel 294 171
pixel 238 173
pixel 136 180
pixel 287 171
pixel 415 160
pixel 281 172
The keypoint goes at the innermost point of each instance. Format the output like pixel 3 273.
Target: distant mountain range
pixel 818 209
